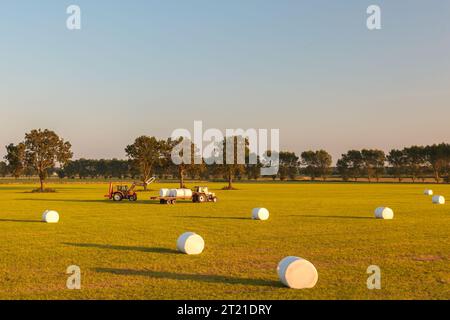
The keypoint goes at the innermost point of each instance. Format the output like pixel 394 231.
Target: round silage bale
pixel 187 193
pixel 384 213
pixel 190 243
pixel 177 193
pixel 438 200
pixel 50 216
pixel 297 273
pixel 260 214
pixel 164 192
pixel 428 192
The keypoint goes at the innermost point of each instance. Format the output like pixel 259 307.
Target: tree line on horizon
pixel 44 153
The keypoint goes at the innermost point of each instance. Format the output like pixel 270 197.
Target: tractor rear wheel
pixel 117 196
pixel 201 198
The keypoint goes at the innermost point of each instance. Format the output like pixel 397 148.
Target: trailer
pixel 199 195
pixel 170 200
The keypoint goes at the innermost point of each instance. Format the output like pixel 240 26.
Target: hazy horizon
pixel 309 68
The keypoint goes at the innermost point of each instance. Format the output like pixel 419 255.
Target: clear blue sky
pixel 309 68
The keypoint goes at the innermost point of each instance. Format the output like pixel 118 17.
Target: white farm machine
pixel 198 195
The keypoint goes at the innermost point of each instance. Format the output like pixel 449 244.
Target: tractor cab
pixel 122 188
pixel 201 189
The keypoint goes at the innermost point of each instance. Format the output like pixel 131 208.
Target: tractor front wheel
pixel 133 197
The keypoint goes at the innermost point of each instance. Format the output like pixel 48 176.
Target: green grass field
pixel 127 250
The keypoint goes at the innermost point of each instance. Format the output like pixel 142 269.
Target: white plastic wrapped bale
pixel 190 243
pixel 50 216
pixel 176 193
pixel 428 192
pixel 187 193
pixel 297 273
pixel 164 192
pixel 260 214
pixel 384 213
pixel 438 200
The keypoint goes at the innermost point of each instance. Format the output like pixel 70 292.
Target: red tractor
pixel 120 191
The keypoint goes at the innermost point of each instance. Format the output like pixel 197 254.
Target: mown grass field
pixel 127 250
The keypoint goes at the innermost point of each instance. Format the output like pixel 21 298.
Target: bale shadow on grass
pixel 331 217
pixel 209 217
pixel 124 248
pixel 191 277
pixel 20 220
pixel 86 201
pixel 64 200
